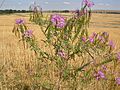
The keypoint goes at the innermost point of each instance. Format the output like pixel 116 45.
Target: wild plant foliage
pixel 77 60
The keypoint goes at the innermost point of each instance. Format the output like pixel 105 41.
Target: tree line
pixel 10 11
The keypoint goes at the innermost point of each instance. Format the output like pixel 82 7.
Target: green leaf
pixel 105 62
pixel 82 67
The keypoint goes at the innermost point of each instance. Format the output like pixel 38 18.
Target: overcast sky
pixel 60 4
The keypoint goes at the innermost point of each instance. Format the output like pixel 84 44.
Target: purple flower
pixel 118 80
pixel 91 39
pixel 99 75
pixel 58 21
pixel 104 67
pixel 28 33
pixel 118 56
pixel 102 39
pixel 87 3
pixel 83 39
pixel 105 33
pixel 62 54
pixel 85 11
pixel 20 21
pixel 111 44
pixel 80 13
pixel 94 34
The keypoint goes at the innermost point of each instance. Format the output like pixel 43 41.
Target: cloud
pixel 32 2
pixel 46 2
pixel 100 4
pixel 66 3
pixel 107 4
pixel 103 4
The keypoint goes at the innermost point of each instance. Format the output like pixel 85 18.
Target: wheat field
pixel 9 43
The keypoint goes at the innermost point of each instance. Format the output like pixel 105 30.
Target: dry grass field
pixel 107 22
pixel 13 56
pixel 8 43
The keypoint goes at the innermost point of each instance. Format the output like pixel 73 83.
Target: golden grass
pixel 107 22
pixel 13 56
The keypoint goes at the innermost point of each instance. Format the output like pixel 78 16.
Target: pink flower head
pixel 104 67
pixel 91 39
pixel 80 13
pixel 118 80
pixel 58 21
pixel 105 34
pixel 28 33
pixel 20 21
pixel 94 34
pixel 99 75
pixel 118 56
pixel 83 39
pixel 88 3
pixel 102 39
pixel 62 54
pixel 111 44
pixel 83 12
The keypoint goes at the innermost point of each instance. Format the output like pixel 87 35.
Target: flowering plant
pixel 67 41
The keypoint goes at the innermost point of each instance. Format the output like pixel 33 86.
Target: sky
pixel 59 4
